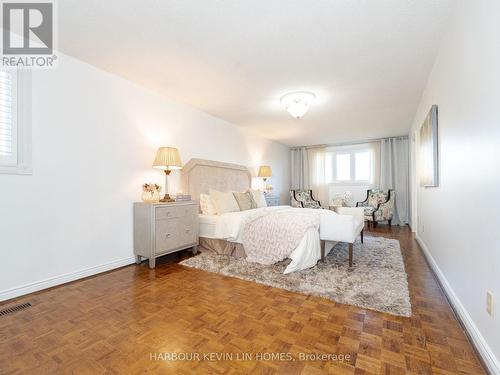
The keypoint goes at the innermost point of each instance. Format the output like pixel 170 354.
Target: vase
pixel 150 196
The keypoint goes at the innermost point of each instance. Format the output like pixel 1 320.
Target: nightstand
pixel 272 200
pixel 164 228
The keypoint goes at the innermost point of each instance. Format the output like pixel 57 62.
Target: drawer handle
pixel 167 235
pixel 188 230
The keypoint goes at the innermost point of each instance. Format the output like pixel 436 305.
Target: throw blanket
pixel 270 237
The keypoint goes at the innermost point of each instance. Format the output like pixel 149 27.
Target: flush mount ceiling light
pixel 297 102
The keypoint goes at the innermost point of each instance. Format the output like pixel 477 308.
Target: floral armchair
pixel 303 199
pixel 378 205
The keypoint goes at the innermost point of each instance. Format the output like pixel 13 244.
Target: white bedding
pixel 207 225
pixel 229 226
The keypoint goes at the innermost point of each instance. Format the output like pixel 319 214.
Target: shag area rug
pixel 376 281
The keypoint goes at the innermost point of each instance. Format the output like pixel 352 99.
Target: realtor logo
pixel 28 34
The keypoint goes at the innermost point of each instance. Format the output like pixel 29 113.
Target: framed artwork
pixel 428 150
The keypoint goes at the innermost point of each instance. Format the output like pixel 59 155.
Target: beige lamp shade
pixel 265 171
pixel 167 158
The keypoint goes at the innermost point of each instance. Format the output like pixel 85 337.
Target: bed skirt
pixel 222 247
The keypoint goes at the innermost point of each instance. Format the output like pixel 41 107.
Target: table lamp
pixel 265 172
pixel 168 159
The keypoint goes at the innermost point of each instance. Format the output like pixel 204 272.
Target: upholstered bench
pixel 344 227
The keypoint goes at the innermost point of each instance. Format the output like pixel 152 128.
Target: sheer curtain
pixel 317 180
pixel 374 148
pixel 300 168
pixel 394 168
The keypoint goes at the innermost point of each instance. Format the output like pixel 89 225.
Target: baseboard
pixel 477 338
pixel 62 279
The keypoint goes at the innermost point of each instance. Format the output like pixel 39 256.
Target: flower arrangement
pixel 151 192
pixel 342 199
pixel 151 188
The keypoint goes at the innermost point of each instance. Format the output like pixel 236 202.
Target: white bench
pixel 344 227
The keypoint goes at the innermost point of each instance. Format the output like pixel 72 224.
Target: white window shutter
pixel 8 118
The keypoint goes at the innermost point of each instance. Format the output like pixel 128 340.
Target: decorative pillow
pixel 224 201
pixel 245 200
pixel 259 198
pixel 206 205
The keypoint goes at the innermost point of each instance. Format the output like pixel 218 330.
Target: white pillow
pixel 224 201
pixel 206 205
pixel 259 198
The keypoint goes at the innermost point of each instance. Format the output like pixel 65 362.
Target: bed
pixel 317 230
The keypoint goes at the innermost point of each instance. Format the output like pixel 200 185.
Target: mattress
pixel 228 226
pixel 207 225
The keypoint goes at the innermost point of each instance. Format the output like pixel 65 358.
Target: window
pixel 15 129
pixel 362 166
pixel 8 117
pixel 349 165
pixel 343 166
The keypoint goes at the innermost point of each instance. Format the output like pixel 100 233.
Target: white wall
pixel 94 139
pixel 459 220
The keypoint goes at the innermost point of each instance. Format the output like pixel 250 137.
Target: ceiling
pixel 367 61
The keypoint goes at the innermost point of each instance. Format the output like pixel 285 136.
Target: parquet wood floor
pixel 115 322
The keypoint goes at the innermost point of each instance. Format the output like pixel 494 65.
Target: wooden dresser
pixel 164 228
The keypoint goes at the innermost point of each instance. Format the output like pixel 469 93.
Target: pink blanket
pixel 270 237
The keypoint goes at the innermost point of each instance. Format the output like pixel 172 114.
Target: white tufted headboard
pixel 200 175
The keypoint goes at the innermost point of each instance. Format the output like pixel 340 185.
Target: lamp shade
pixel 265 171
pixel 167 158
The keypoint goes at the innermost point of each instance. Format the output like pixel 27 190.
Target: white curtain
pixel 375 163
pixel 300 168
pixel 394 168
pixel 316 157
